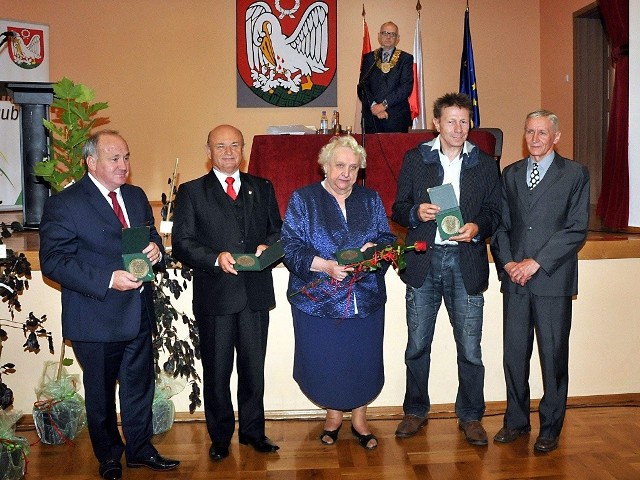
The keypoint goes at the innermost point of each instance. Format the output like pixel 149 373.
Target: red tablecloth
pixel 291 161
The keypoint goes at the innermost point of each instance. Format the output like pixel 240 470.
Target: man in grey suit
pixel 545 215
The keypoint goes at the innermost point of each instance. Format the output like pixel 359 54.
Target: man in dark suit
pixel 106 312
pixel 221 213
pixel 454 269
pixel 545 216
pixel 386 81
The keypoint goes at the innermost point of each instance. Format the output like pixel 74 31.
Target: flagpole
pixel 416 99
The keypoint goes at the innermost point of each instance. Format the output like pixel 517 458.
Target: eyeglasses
pixel 389 34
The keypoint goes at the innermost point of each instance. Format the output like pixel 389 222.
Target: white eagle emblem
pixel 278 60
pixel 26 53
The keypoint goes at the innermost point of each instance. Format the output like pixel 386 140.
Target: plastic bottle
pixel 335 121
pixel 324 123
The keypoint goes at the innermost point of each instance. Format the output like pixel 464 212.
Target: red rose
pixel 420 246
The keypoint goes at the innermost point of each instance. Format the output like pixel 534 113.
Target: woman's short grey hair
pixel 346 141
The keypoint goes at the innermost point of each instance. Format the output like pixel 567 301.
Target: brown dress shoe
pixel 508 435
pixel 545 444
pixel 474 432
pixel 410 425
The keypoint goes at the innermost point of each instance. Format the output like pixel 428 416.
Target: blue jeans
pixel 444 280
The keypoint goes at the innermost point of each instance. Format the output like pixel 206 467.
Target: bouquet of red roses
pixel 371 259
pixel 392 254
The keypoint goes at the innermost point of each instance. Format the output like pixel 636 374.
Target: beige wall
pixel 597 346
pixel 167 68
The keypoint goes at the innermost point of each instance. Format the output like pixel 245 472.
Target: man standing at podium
pixel 386 81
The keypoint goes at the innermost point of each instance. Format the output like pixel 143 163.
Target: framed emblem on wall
pixel 286 53
pixel 24 57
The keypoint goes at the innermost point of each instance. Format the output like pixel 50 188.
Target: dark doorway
pixel 591 92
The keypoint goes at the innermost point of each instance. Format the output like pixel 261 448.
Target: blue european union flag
pixel 468 72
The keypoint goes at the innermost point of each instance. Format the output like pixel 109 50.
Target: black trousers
pixel 244 333
pixel 550 318
pixel 130 364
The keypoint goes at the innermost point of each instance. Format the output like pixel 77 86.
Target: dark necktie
pixel 230 191
pixel 385 57
pixel 534 179
pixel 117 209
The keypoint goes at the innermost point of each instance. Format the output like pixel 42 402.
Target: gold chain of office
pixel 284 12
pixel 386 67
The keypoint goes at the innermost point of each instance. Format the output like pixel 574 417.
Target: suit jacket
pixel 548 224
pixel 315 226
pixel 479 204
pixel 394 87
pixel 80 248
pixel 205 224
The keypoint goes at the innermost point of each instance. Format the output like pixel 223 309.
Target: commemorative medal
pixel 138 267
pixel 246 261
pixel 450 224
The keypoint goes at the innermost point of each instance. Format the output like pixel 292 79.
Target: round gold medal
pixel 385 67
pixel 138 267
pixel 450 224
pixel 348 255
pixel 246 261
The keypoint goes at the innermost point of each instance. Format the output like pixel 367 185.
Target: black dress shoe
pixel 218 452
pixel 154 462
pixel 264 445
pixel 110 470
pixel 546 444
pixel 508 435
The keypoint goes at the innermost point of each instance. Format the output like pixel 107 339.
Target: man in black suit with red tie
pixel 545 217
pixel 106 312
pixel 386 81
pixel 221 213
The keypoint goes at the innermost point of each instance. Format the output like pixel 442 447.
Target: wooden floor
pixel 596 443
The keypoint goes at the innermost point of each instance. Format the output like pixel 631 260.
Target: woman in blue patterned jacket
pixel 338 314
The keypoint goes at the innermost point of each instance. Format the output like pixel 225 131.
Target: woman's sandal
pixel 332 434
pixel 364 440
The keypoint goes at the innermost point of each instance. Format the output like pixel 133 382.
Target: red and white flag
pixel 366 48
pixel 416 99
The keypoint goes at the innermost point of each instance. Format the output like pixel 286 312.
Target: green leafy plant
pixel 73 117
pixel 180 353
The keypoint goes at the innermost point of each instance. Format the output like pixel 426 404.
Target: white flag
pixel 416 99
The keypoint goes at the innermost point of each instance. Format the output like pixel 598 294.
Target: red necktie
pixel 230 191
pixel 117 209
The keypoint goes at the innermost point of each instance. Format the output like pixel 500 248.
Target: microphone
pixel 366 75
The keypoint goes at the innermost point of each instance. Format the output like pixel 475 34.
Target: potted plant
pixel 75 117
pixel 178 355
pixel 59 414
pixel 15 272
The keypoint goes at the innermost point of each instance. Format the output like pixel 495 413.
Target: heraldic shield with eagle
pixel 286 50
